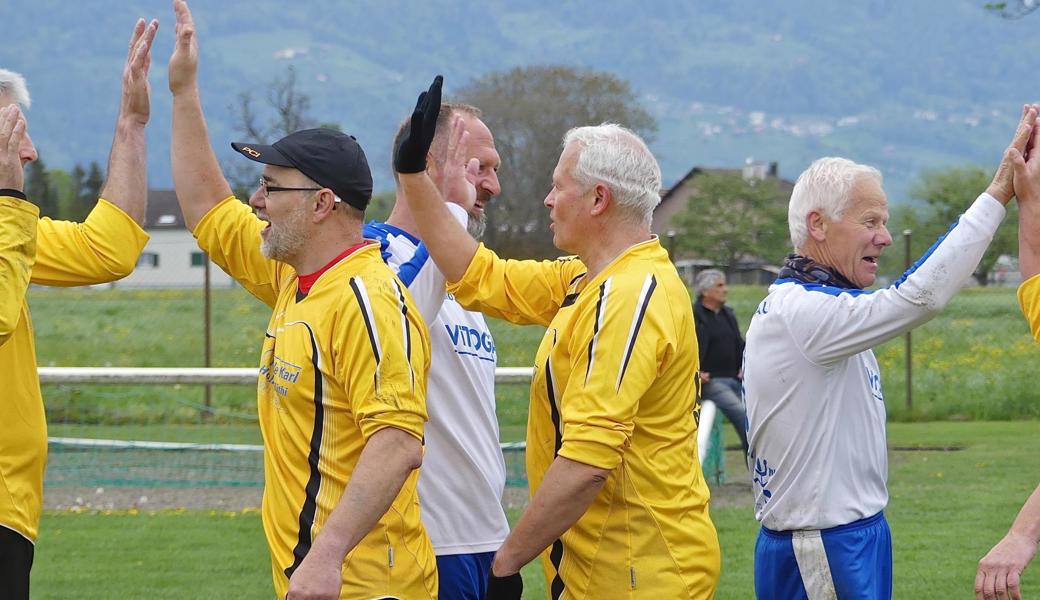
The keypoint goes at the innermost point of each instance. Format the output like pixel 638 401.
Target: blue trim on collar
pixel 387 228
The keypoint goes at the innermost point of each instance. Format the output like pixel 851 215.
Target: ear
pixel 601 200
pixel 433 169
pixel 816 224
pixel 324 204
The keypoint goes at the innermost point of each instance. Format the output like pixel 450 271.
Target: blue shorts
pixel 463 576
pixel 851 561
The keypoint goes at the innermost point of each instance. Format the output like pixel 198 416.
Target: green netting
pixel 82 463
pixel 714 463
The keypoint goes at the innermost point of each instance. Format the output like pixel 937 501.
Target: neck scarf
pixel 807 270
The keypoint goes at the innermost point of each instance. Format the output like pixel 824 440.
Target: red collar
pixel 306 281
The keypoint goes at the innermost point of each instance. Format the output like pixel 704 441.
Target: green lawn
pixel 947 509
pixel 974 362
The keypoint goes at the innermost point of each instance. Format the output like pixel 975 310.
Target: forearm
pixel 1027 523
pixel 389 457
pixel 197 178
pixel 567 491
pixel 449 243
pixel 1029 239
pixel 127 182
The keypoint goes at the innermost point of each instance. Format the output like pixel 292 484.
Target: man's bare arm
pixel 127 183
pixel 197 178
pixel 567 491
pixel 387 460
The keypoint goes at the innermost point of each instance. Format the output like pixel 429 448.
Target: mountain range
pixel 904 86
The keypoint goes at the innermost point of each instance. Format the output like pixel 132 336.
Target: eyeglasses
pixel 267 190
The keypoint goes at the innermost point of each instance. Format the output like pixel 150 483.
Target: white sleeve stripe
pixel 406 331
pixel 601 311
pixel 637 320
pixel 366 312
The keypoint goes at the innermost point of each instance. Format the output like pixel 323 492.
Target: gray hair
pixel 825 186
pixel 706 279
pixel 13 86
pixel 618 158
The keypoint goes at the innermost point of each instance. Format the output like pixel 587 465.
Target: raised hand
pixel 460 170
pixel 410 156
pixel 184 62
pixel 1003 187
pixel 135 103
pixel 12 129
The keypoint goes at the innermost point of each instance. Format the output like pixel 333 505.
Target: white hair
pixel 13 86
pixel 826 186
pixel 616 157
pixel 706 280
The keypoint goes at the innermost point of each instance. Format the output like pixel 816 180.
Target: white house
pixel 171 258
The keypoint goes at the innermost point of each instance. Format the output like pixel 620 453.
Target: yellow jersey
pixel 615 387
pixel 103 248
pixel 1029 298
pixel 337 365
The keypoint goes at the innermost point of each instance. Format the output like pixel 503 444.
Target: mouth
pixel 871 260
pixel 267 226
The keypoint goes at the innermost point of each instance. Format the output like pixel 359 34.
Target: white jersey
pixel 815 409
pixel 463 473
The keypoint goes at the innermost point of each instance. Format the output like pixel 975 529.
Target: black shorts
pixel 16 557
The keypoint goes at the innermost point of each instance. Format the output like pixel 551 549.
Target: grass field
pixel 974 362
pixel 947 509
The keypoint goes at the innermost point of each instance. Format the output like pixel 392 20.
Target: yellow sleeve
pixel 230 234
pixel 617 350
pixel 525 292
pixel 18 220
pixel 102 248
pixel 1029 298
pixel 382 354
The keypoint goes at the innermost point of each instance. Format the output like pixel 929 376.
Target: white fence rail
pixel 191 375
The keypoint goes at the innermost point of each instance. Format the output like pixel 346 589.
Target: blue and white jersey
pixel 815 407
pixel 463 472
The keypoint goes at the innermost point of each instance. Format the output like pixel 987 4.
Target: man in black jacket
pixel 721 347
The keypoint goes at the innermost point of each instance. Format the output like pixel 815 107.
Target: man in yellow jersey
pixel 1000 571
pixel 619 506
pixel 341 394
pixel 33 250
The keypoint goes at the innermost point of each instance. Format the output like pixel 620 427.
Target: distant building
pixel 755 270
pixel 171 258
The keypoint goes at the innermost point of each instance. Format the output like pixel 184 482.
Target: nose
pixel 549 200
pixel 257 199
pixel 26 149
pixel 491 184
pixel 883 238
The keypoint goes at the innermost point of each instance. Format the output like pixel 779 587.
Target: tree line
pixel 61 194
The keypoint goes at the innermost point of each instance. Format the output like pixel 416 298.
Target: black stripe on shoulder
pixel 310 503
pixel 569 300
pixel 635 330
pixel 595 329
pixel 369 324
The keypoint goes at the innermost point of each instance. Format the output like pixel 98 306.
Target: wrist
pixel 999 193
pixel 131 124
pixel 502 566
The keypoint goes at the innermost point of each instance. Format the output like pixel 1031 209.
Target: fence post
pixel 207 334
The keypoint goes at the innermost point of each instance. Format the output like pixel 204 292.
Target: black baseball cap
pixel 331 158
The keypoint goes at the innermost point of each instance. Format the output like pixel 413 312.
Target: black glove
pixel 510 587
pixel 410 155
